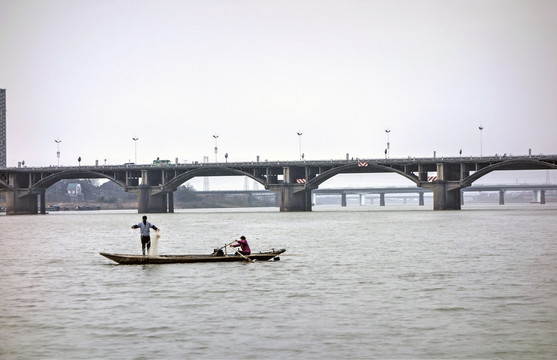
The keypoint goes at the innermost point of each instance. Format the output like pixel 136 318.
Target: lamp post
pixel 58 141
pixel 300 142
pixel 135 146
pixel 388 144
pixel 216 147
pixel 481 142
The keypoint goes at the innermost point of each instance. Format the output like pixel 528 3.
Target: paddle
pixel 230 243
pixel 245 257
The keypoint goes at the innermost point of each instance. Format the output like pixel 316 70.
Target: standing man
pixel 144 227
pixel 244 246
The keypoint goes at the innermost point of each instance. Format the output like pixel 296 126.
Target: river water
pixel 355 283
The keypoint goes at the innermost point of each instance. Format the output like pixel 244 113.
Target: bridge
pixel 538 192
pixel 293 181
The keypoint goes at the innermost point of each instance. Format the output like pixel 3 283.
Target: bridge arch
pixel 50 180
pixel 355 168
pixel 512 164
pixel 208 171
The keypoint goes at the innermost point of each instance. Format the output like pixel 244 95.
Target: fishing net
pixel 154 250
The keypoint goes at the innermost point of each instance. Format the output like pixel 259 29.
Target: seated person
pixel 244 246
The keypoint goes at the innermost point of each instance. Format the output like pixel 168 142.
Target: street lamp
pixel 135 145
pixel 481 145
pixel 216 147
pixel 300 142
pixel 58 141
pixel 388 144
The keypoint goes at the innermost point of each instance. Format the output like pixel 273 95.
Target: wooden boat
pixel 129 259
pixel 87 207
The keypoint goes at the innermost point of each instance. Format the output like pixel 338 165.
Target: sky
pixel 175 73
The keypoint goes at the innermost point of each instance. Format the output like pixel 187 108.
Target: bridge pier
pixel 20 200
pixel 151 200
pixel 362 199
pixel 150 197
pixel 446 188
pixel 446 194
pixel 343 199
pixel 539 196
pixel 501 197
pixel 421 198
pixel 43 201
pixel 293 197
pixel 170 196
pixel 382 199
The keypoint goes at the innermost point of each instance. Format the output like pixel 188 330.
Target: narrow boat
pixel 129 259
pixel 87 207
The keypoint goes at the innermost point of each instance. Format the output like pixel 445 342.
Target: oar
pixel 224 247
pixel 230 243
pixel 245 257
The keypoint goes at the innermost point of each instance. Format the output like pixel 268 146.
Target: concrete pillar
pixel 293 197
pixel 143 199
pixel 343 199
pixel 20 200
pixel 171 202
pixel 542 197
pixel 158 203
pixel 362 199
pixel 501 197
pixel 147 202
pixel 382 199
pixel 421 198
pixel 43 202
pixel 446 189
pixel 446 195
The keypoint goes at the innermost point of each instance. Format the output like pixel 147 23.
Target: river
pixel 354 283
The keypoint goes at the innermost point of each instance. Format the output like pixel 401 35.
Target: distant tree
pixel 185 193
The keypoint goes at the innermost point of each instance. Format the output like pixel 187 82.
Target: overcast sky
pixel 173 73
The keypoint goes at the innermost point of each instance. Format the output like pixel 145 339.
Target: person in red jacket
pixel 244 246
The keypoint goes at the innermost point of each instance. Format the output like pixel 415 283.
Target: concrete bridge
pixel 538 192
pixel 292 180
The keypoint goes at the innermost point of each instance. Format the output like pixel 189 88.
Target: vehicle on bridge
pixel 159 162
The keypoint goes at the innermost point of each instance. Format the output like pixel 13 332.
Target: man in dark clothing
pixel 144 227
